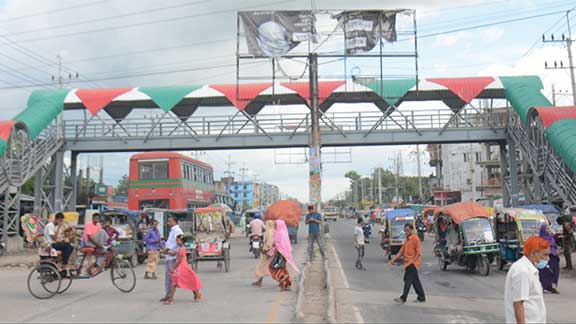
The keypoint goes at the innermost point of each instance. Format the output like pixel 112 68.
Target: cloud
pixel 491 35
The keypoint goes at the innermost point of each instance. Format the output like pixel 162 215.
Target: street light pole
pixel 420 194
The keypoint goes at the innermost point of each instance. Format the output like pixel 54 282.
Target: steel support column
pixel 513 165
pixel 38 180
pixel 503 171
pixel 315 180
pixel 73 181
pixel 58 181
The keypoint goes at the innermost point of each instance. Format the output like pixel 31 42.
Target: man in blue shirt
pixel 314 220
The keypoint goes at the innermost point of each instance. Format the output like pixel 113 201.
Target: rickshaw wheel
pixel 49 279
pixel 133 260
pixel 227 260
pixel 483 266
pixel 66 282
pixel 123 276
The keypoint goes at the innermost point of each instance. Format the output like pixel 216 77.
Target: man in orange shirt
pixel 412 253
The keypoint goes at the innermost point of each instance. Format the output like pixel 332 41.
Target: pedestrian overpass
pixel 509 111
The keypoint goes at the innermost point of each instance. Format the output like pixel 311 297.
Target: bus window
pixel 151 170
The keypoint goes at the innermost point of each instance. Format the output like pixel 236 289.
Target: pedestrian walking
pixel 523 293
pixel 411 251
pixel 568 242
pixel 262 269
pixel 314 220
pixel 282 256
pixel 171 250
pixel 549 276
pixel 182 275
pixel 359 244
pixel 153 244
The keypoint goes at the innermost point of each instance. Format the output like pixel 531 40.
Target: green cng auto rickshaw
pixel 464 236
pixel 392 237
pixel 513 227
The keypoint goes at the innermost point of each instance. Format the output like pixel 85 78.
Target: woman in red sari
pixel 182 275
pixel 282 245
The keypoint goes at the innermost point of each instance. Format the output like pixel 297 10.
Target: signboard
pixel 275 33
pixel 363 29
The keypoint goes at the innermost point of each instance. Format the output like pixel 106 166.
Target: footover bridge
pixel 537 141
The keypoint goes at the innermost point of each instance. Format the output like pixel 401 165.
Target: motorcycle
pixel 256 246
pixel 367 229
pixel 421 229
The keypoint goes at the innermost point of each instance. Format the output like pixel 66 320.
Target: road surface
pixel 454 296
pixel 228 297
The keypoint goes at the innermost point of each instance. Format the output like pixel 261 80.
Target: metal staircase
pixel 547 171
pixel 24 158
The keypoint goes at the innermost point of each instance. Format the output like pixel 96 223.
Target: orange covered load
pixel 462 211
pixel 288 210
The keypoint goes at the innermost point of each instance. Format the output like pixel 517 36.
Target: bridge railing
pixel 362 121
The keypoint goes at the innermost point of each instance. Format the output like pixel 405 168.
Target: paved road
pixel 454 296
pixel 228 297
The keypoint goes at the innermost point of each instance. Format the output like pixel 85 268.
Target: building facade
pixel 251 194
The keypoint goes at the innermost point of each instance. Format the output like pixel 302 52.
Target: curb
pixel 331 311
pixel 300 298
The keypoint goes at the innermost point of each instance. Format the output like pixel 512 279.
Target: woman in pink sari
pixel 282 245
pixel 182 276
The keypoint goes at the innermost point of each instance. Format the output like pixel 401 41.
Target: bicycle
pixel 53 279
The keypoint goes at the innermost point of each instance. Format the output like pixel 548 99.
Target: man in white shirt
pixel 171 249
pixel 359 243
pixel 53 236
pixel 256 227
pixel 523 295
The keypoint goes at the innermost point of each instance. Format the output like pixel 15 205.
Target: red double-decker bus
pixel 169 180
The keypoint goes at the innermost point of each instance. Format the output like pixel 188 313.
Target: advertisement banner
pixel 363 29
pixel 275 33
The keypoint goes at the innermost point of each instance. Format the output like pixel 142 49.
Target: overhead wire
pixel 9 19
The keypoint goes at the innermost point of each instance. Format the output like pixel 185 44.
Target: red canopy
pixel 288 210
pixel 325 89
pixel 550 115
pixel 465 88
pixel 462 211
pixel 6 129
pixel 96 99
pixel 240 95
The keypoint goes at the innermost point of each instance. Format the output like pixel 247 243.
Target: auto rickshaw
pixel 393 237
pixel 464 236
pixel 210 238
pixel 513 227
pixel 552 214
pixel 128 245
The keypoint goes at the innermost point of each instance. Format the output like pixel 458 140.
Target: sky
pixel 134 43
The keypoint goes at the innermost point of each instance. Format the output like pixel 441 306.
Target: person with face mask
pixel 523 293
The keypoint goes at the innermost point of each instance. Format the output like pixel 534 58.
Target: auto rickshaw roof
pixel 545 208
pixel 462 211
pixel 209 210
pixel 522 213
pixel 394 213
pixel 133 215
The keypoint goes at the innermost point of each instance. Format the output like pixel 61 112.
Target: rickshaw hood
pixel 462 211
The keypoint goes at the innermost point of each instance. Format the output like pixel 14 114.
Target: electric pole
pixel 568 41
pixel 229 173
pixel 420 194
pixel 380 185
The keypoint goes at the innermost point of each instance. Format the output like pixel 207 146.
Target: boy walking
pixel 359 244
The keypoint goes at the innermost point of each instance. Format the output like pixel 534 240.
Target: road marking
pixel 275 308
pixel 357 314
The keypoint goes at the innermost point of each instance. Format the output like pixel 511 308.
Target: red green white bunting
pixel 96 99
pixel 325 89
pixel 240 95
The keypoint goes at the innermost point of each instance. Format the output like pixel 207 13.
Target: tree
pixel 122 186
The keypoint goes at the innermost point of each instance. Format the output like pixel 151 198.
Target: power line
pixel 149 22
pixel 52 11
pixel 89 21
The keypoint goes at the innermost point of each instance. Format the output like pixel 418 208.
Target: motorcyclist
pixel 256 228
pixel 420 227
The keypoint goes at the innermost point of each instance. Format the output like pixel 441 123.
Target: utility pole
pixel 229 173
pixel 314 162
pixel 568 41
pixel 380 186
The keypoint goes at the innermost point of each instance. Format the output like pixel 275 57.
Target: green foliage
pixel 122 186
